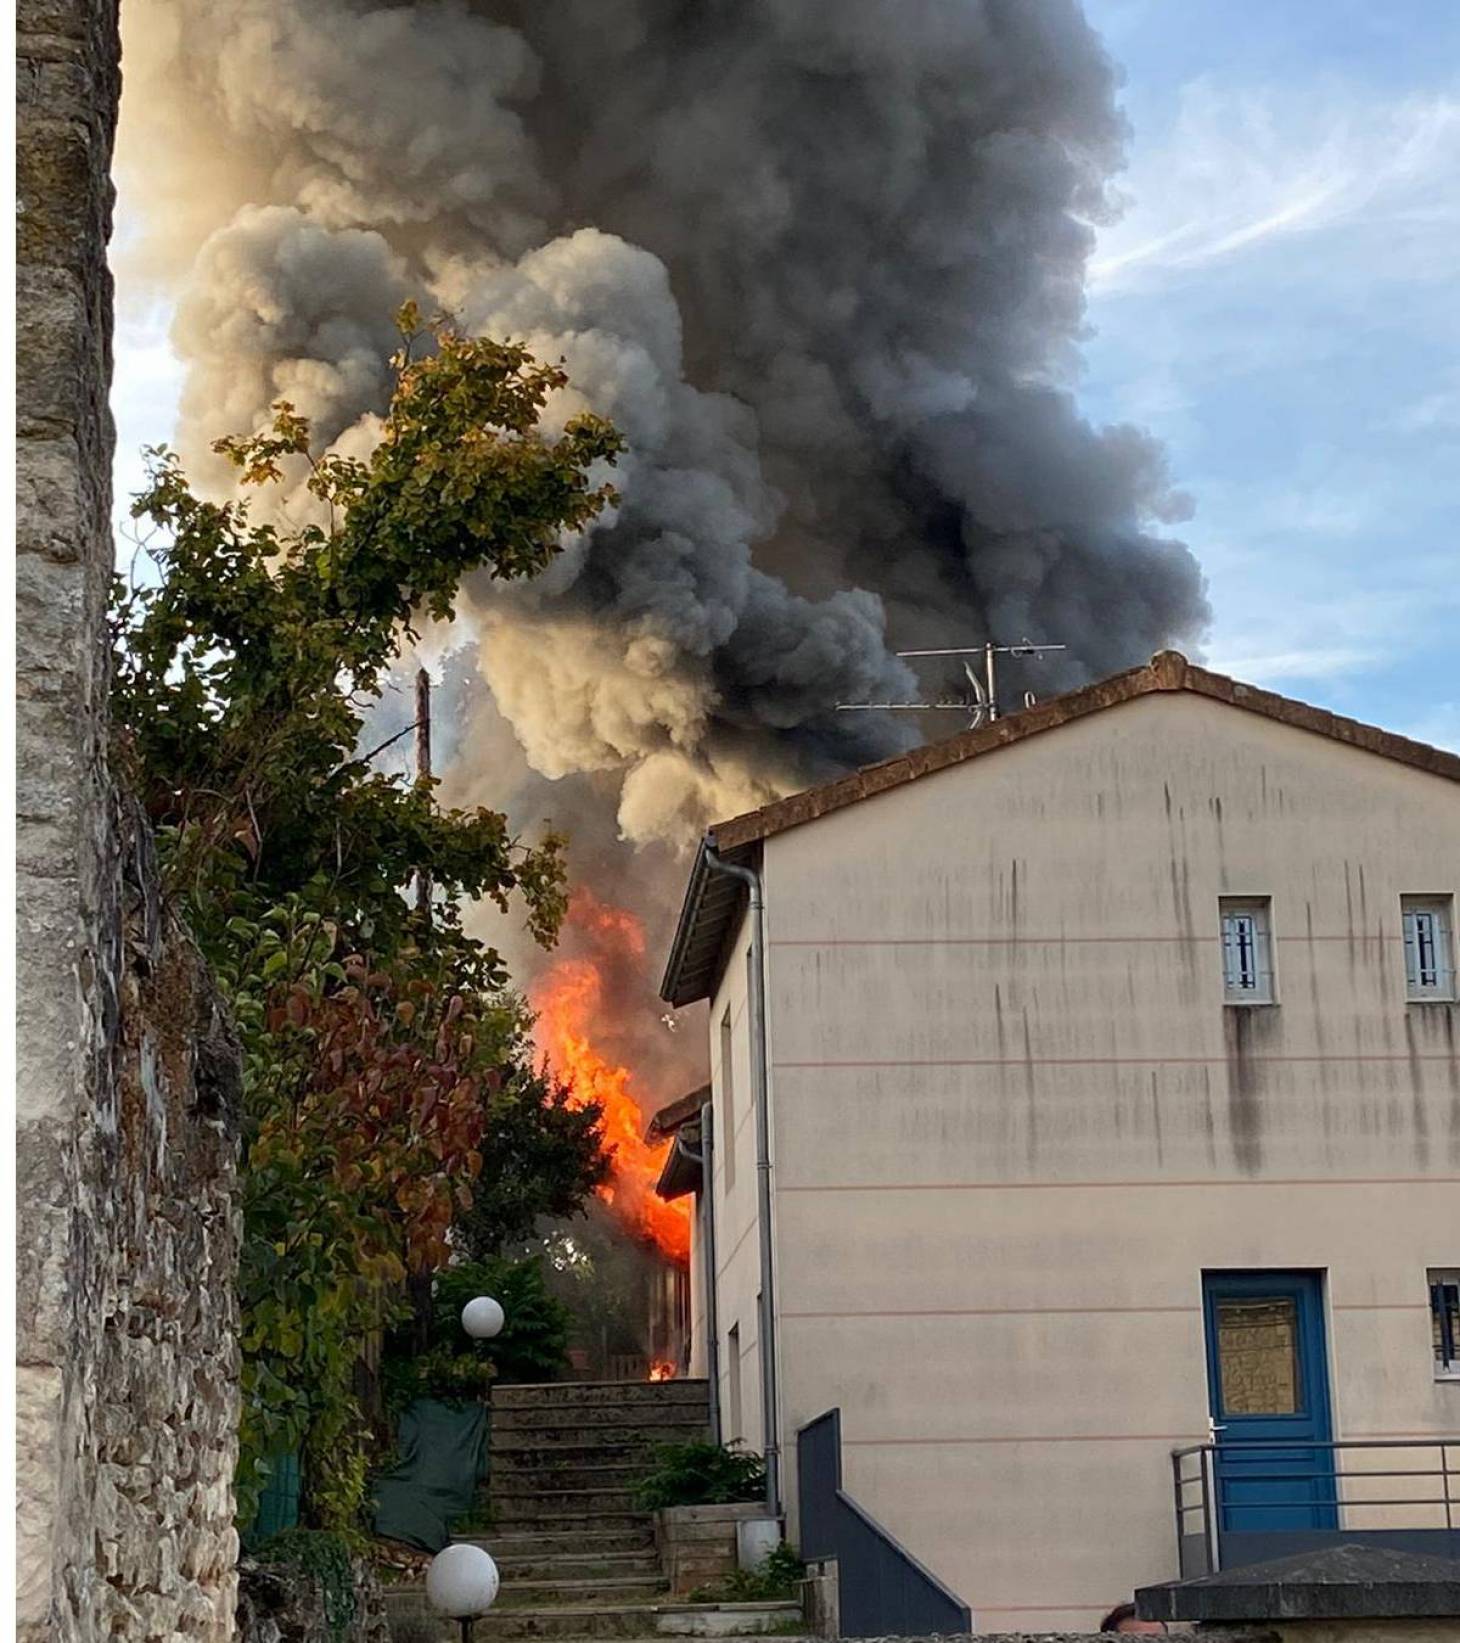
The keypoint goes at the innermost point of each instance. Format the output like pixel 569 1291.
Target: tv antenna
pixel 982 701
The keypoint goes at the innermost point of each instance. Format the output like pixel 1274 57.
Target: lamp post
pixel 482 1318
pixel 462 1584
pixel 462 1580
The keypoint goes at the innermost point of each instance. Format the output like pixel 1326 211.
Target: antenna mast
pixel 982 703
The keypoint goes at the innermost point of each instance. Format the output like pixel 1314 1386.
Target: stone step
pixel 624 1421
pixel 574 1566
pixel 410 1616
pixel 554 1542
pixel 508 1500
pixel 516 1479
pixel 615 1394
pixel 623 1589
pixel 593 1447
pixel 535 1520
pixel 637 1620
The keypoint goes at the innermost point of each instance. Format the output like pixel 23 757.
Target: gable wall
pixel 1014 1121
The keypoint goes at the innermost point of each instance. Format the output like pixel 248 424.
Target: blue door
pixel 1267 1375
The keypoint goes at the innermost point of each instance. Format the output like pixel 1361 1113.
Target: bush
pixel 700 1474
pixel 443 1373
pixel 323 1557
pixel 533 1345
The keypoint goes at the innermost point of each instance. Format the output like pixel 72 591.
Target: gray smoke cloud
pixel 823 264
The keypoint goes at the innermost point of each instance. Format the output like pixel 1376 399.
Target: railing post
pixel 1210 1526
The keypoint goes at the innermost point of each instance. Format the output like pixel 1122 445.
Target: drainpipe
pixel 759 1084
pixel 705 1158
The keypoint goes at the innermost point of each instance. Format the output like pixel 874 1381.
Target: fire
pixel 661 1370
pixel 567 1000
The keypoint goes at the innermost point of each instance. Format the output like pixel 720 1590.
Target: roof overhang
pixel 668 1119
pixel 712 908
pixel 683 1170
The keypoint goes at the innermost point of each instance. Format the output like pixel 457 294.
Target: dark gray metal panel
pixel 1242 1548
pixel 883 1591
pixel 1193 1556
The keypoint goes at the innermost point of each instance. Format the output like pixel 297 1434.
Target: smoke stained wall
pixel 822 263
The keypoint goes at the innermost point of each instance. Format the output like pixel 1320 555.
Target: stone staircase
pixel 576 1554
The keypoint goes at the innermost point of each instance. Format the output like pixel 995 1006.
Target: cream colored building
pixel 1113 1096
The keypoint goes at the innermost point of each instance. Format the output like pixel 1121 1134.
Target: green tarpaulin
pixel 443 1458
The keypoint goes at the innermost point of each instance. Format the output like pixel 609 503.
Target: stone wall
pixel 126 1134
pixel 280 1602
pixel 142 1439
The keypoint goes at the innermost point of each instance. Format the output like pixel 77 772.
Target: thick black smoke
pixel 824 265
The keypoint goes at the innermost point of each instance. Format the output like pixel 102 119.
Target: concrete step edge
pixel 513 1539
pixel 569 1588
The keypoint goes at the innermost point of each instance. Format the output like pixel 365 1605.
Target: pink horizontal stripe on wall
pixel 1440 1440
pixel 1029 1437
pixel 1111 1061
pixel 1380 1306
pixel 1043 1608
pixel 996 1312
pixel 1071 1311
pixel 1052 941
pixel 1126 1186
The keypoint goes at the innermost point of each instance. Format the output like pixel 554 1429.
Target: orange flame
pixel 661 1370
pixel 567 999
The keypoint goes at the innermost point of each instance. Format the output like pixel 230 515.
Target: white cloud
pixel 1271 667
pixel 1242 169
pixel 1278 305
pixel 1435 411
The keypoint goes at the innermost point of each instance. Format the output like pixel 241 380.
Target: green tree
pixel 546 1154
pixel 382 1049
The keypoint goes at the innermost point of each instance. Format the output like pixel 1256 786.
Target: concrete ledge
pixel 1350 1582
pixel 723 1619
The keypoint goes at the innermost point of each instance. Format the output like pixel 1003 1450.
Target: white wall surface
pixel 1014 1121
pixel 738 1250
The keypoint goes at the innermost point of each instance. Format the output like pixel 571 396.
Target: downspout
pixel 705 1158
pixel 760 1091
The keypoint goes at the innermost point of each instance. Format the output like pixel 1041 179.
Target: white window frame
pixel 1429 950
pixel 727 1095
pixel 734 1372
pixel 1450 1277
pixel 1246 926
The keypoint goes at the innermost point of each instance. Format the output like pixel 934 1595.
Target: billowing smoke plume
pixel 822 263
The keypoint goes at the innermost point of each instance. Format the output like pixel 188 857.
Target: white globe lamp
pixel 482 1318
pixel 462 1583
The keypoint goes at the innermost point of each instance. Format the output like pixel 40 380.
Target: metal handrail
pixel 1212 1490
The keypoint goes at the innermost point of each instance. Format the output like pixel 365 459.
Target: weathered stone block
pixel 57 212
pixel 52 498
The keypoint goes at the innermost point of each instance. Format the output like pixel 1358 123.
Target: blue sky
pixel 1280 304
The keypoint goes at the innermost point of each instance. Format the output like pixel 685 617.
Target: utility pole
pixel 418 1283
pixel 423 776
